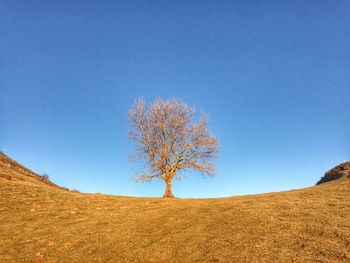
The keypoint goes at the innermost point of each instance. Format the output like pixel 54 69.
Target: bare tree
pixel 169 142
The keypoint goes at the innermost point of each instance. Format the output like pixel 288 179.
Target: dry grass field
pixel 41 223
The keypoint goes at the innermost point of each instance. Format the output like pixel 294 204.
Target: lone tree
pixel 169 142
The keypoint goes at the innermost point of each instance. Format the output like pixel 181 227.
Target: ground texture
pixel 42 223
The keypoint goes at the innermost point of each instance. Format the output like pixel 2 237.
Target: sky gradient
pixel 273 76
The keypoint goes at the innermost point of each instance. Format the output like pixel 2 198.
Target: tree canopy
pixel 169 142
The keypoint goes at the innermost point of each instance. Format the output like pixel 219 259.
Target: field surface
pixel 46 224
pixel 40 222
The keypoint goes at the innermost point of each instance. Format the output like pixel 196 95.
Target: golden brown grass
pixel 46 224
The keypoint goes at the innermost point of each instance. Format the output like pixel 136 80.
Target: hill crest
pixel 340 171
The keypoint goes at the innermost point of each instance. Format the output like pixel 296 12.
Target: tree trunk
pixel 168 193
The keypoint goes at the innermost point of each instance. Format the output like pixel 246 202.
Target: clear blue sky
pixel 273 76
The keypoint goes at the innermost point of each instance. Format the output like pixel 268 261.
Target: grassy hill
pixel 41 223
pixel 13 171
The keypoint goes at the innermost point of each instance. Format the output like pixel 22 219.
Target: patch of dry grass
pixel 45 224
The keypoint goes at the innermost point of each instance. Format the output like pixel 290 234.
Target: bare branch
pixel 168 142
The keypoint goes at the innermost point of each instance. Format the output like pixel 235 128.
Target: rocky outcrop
pixel 340 171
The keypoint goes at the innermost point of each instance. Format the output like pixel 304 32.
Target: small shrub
pixel 45 177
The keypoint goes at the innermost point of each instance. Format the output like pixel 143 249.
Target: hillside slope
pixel 13 171
pixel 339 171
pixel 46 224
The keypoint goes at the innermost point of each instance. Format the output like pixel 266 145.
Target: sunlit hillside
pixel 42 223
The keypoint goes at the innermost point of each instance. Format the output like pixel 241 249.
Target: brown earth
pixel 41 223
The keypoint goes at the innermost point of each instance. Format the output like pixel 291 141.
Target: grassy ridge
pixel 14 171
pixel 45 224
